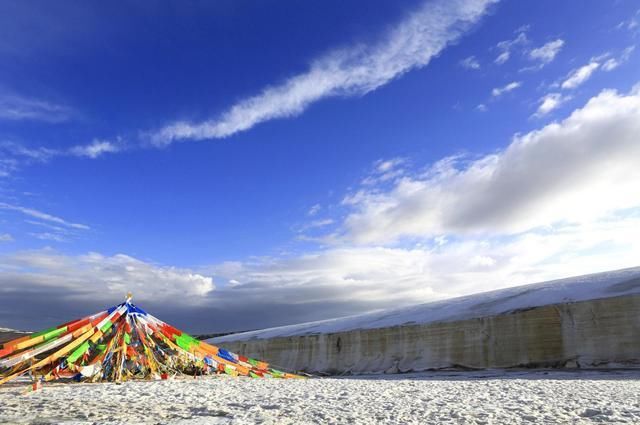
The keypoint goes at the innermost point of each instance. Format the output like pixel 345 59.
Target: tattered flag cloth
pixel 121 343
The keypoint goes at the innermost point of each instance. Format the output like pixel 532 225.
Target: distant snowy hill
pixel 581 288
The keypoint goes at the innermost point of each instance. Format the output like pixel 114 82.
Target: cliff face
pixel 594 333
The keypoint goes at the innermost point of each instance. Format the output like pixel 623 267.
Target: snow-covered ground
pixel 581 288
pixel 461 398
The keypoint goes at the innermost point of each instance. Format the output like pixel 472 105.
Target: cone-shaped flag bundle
pixel 121 343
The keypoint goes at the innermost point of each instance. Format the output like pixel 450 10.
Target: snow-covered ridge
pixel 573 289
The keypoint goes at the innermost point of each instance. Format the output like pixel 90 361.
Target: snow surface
pixel 462 398
pixel 581 288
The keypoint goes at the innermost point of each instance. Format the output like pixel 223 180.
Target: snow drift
pixel 586 321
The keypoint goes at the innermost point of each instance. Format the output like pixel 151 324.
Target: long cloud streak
pixel 347 72
pixel 42 216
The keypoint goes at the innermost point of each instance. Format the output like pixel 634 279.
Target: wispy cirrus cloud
pixel 48 226
pixel 48 236
pixel 547 53
pixel 385 170
pixel 95 149
pixel 470 62
pixel 19 108
pixel 6 237
pixel 613 63
pixel 16 155
pixel 610 64
pixel 312 225
pixel 47 231
pixel 351 71
pixel 579 75
pixel 550 102
pixel 506 47
pixel 8 166
pixel 315 209
pixel 499 91
pixel 631 24
pixel 23 153
pixel 30 212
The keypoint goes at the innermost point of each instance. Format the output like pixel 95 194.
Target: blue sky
pixel 258 164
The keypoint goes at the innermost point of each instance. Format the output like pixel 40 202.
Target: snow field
pixel 460 398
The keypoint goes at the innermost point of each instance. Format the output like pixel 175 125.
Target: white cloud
pixel 18 108
pixel 385 170
pixel 320 223
pixel 315 209
pixel 98 277
pixel 8 166
pixel 49 236
pixel 610 64
pixel 6 237
pixel 49 226
pixel 499 91
pixel 630 24
pixel 328 283
pixel 312 225
pixel 233 283
pixel 385 166
pixel 507 46
pixel 95 149
pixel 365 278
pixel 550 102
pixel 547 53
pixel 572 171
pixel 18 156
pixel 38 154
pixel 373 276
pixel 353 71
pixel 613 63
pixel 482 107
pixel 42 216
pixel 503 57
pixel 580 75
pixel 470 63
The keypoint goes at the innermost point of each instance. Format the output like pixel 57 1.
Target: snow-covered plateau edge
pixel 580 288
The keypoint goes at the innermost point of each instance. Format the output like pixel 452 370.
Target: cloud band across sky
pixel 352 71
pixel 327 283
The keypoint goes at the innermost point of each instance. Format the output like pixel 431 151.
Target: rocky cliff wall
pixel 587 334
